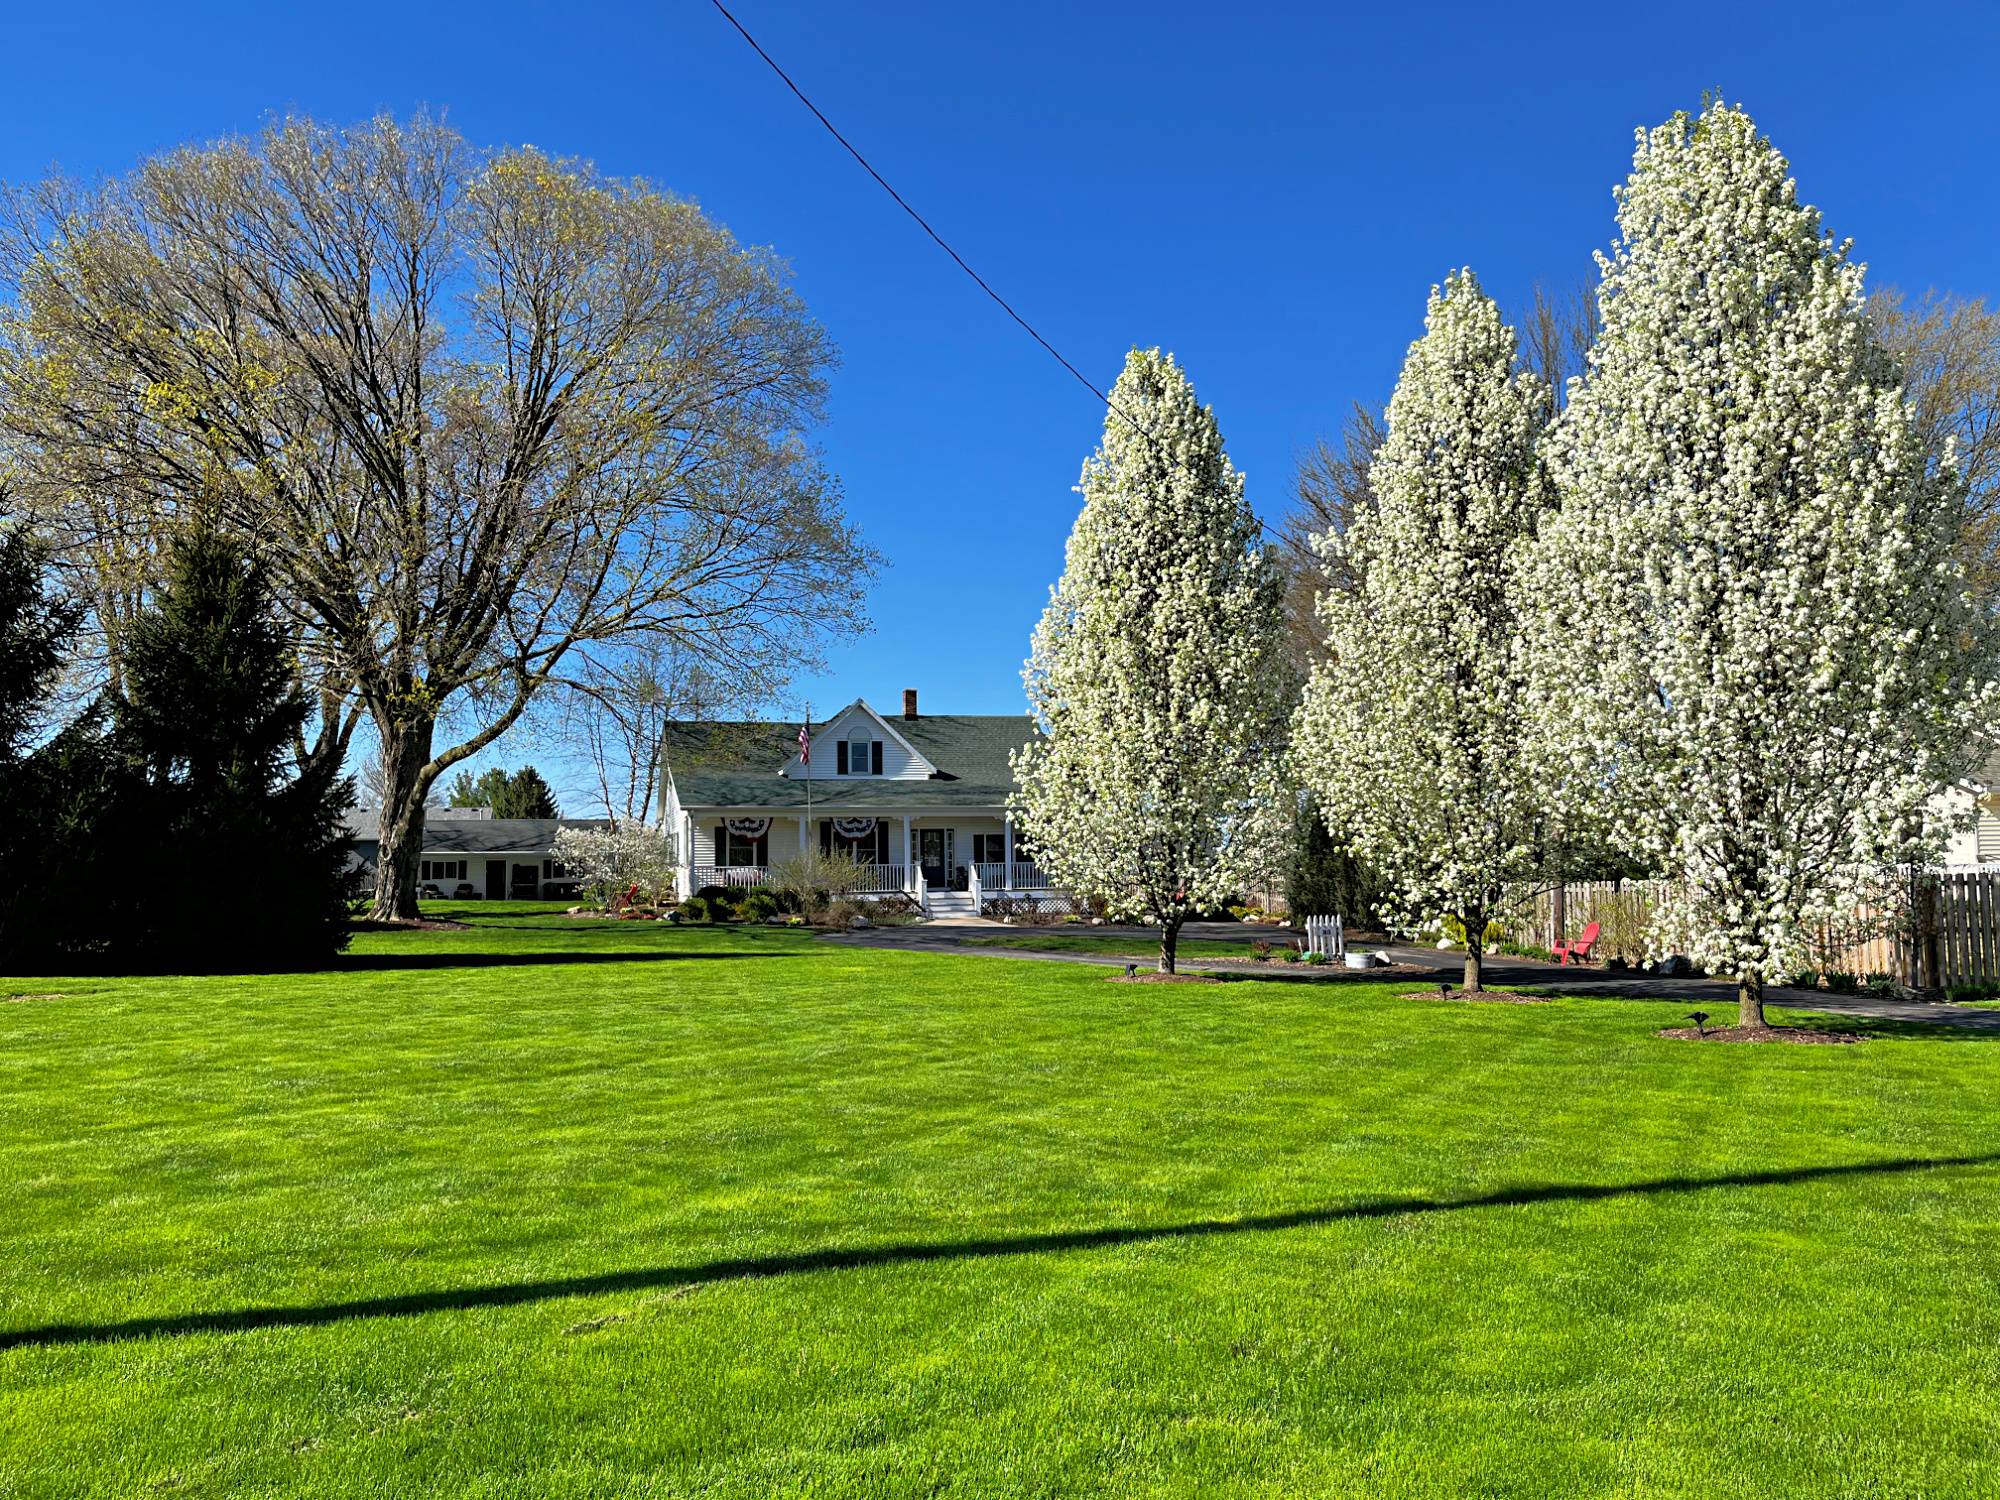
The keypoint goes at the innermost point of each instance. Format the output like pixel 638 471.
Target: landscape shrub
pixel 840 911
pixel 1841 984
pixel 759 906
pixel 697 908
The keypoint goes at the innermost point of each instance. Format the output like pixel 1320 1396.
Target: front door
pixel 496 880
pixel 526 879
pixel 934 854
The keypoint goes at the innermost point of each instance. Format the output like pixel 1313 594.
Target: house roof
pixel 736 763
pixel 481 835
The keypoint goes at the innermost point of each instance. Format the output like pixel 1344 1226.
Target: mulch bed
pixel 1796 1034
pixel 1154 976
pixel 407 924
pixel 1328 971
pixel 1478 997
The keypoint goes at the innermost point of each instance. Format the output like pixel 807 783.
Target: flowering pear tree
pixel 1759 635
pixel 1411 734
pixel 610 861
pixel 1157 673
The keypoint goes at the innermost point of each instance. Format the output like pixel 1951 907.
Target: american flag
pixel 805 745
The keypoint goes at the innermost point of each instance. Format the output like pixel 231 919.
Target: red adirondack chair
pixel 1577 948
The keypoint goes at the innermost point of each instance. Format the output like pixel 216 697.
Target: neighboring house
pixel 469 852
pixel 920 800
pixel 1979 844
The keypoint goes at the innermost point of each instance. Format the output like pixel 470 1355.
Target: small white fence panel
pixel 1327 936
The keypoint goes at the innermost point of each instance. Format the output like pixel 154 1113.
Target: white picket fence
pixel 1328 936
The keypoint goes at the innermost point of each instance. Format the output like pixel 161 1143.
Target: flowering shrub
pixel 610 861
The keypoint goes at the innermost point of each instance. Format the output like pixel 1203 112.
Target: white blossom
pixel 1412 731
pixel 1157 672
pixel 610 861
pixel 1761 654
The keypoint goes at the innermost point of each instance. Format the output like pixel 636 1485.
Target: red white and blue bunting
pixel 749 828
pixel 854 829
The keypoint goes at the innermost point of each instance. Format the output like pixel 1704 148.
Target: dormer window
pixel 858 755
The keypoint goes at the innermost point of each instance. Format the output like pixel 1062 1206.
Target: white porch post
pixel 804 848
pixel 909 881
pixel 1007 848
pixel 687 864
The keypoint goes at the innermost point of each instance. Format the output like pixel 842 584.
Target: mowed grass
pixel 1132 947
pixel 549 1208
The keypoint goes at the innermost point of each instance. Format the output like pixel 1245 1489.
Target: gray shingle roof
pixel 734 763
pixel 475 835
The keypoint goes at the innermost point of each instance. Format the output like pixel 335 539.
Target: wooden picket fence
pixel 1940 928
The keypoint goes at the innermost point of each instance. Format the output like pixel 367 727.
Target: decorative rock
pixel 860 924
pixel 1674 966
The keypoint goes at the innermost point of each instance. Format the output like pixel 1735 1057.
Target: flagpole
pixel 805 764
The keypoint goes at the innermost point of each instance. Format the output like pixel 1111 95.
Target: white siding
pixel 898 764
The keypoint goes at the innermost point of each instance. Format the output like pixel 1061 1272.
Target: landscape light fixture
pixel 1444 989
pixel 1131 971
pixel 1699 1017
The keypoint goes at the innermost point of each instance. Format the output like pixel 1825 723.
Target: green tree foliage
pixel 511 794
pixel 45 791
pixel 1324 878
pixel 238 842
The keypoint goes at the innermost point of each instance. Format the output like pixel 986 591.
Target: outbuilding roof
pixel 446 835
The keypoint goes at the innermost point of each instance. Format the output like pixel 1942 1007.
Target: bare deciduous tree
pixel 477 413
pixel 1949 348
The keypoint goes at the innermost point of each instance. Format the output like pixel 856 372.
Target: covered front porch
pixel 931 857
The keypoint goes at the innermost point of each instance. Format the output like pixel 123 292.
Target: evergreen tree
pixel 518 794
pixel 527 796
pixel 1412 734
pixel 1758 641
pixel 1323 876
pixel 47 794
pixel 251 859
pixel 1158 671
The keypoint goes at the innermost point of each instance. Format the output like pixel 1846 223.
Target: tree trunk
pixel 406 752
pixel 1170 936
pixel 1475 949
pixel 1750 1003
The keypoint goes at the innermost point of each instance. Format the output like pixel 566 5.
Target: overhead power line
pixel 1103 397
pixel 922 223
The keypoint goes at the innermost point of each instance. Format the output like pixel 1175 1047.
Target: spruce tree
pixel 1158 671
pixel 46 793
pixel 249 850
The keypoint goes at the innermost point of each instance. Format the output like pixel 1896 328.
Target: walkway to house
pixel 1718 995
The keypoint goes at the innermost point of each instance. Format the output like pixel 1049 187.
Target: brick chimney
pixel 909 703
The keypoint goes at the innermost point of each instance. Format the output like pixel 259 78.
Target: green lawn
pixel 1128 947
pixel 552 1208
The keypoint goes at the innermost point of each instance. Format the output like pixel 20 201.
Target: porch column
pixel 804 843
pixel 1007 847
pixel 909 881
pixel 686 881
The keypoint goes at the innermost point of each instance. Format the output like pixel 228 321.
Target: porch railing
pixel 1021 875
pixel 747 876
pixel 878 880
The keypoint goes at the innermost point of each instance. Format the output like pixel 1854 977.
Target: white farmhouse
pixel 920 800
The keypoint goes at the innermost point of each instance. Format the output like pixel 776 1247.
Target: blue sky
pixel 1266 190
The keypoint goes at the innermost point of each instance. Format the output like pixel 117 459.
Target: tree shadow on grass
pixel 474 959
pixel 804 1262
